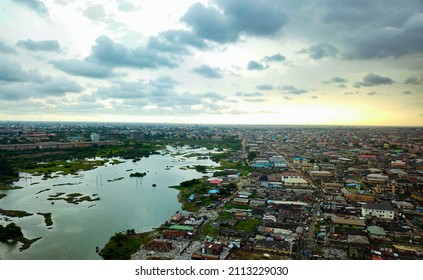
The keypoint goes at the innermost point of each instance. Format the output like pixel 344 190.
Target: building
pixel 377 178
pixel 320 174
pixel 378 210
pixel 295 182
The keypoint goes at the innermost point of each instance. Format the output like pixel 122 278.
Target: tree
pixel 5 168
pixel 251 156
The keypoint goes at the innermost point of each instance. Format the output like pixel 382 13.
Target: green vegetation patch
pixel 6 188
pixel 124 244
pixel 14 213
pixel 62 166
pixel 208 229
pixel 47 218
pixel 138 174
pixel 74 198
pixel 248 226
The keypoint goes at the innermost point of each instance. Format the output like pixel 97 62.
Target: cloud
pixel 233 18
pixel 408 92
pixel 176 41
pixel 254 65
pixel 264 87
pixel 349 93
pixel 126 6
pixel 412 81
pixel 4 48
pixel 158 96
pixel 208 72
pixel 20 84
pixel 291 89
pixel 336 80
pixel 320 51
pixel 36 5
pixel 161 86
pixel 248 94
pixel 386 41
pixel 314 97
pixel 11 71
pixel 95 13
pixel 84 68
pixel 287 98
pixel 255 100
pixel 47 45
pixel 110 53
pixel 274 58
pixel 372 79
pixel 372 93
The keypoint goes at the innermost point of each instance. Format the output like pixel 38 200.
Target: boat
pixel 154 185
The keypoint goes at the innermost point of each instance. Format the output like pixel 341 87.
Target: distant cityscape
pixel 281 192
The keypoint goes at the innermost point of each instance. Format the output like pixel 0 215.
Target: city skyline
pixel 306 62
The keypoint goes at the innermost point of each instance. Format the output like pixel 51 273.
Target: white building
pixel 378 210
pixel 295 182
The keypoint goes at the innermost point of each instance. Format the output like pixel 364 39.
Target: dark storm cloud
pixel 234 18
pixel 84 68
pixel 36 5
pixel 208 72
pixel 46 45
pixel 176 41
pixel 264 87
pixel 412 81
pixel 320 51
pixel 274 58
pixel 113 54
pixel 254 65
pixel 4 48
pixel 291 89
pixel 372 79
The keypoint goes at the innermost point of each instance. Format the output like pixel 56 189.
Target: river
pixel 125 203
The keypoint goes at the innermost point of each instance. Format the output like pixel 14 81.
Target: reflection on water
pixel 126 203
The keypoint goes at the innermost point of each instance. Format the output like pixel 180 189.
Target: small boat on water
pixel 154 185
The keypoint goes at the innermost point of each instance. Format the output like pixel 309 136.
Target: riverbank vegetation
pixel 12 233
pixel 124 244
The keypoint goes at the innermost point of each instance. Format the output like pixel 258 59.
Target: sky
pixel 319 62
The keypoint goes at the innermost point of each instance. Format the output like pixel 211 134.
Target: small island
pixel 138 174
pixel 12 233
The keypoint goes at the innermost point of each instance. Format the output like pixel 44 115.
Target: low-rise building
pixel 378 210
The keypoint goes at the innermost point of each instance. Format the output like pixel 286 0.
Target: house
pixel 295 182
pixel 377 178
pixel 378 210
pixel 278 247
pixel 320 174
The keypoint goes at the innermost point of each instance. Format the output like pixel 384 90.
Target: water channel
pixel 125 203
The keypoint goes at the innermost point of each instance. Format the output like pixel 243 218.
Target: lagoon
pixel 125 203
